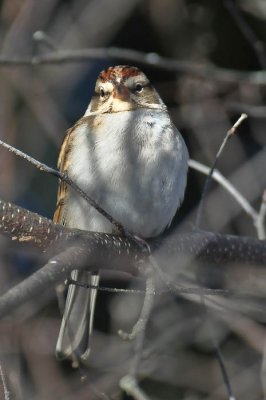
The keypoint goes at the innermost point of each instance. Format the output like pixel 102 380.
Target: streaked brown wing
pixel 63 165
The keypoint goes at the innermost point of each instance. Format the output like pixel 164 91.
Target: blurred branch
pixel 218 177
pixel 258 218
pixel 77 249
pixel 251 37
pixel 72 249
pixel 261 218
pixel 129 382
pixel 254 111
pixel 232 131
pixel 208 71
pixel 6 392
pixel 130 385
pixel 147 306
pixel 42 38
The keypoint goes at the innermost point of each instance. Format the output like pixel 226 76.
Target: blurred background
pixel 38 104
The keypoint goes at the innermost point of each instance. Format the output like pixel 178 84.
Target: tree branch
pixel 206 71
pixel 75 249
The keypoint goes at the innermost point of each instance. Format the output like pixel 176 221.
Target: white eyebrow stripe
pixel 108 86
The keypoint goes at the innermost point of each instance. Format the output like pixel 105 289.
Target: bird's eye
pixel 138 87
pixel 102 93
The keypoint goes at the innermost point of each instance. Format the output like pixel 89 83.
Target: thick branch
pixel 25 226
pixel 76 249
pixel 93 254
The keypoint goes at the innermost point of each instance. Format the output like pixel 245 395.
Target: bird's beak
pixel 121 92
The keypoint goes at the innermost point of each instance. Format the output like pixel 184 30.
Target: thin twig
pixel 229 134
pixel 4 385
pixel 224 372
pixel 64 177
pixel 177 289
pixel 172 287
pixel 236 125
pixel 130 385
pixel 129 382
pixel 140 327
pixel 141 323
pixel 218 352
pixel 218 177
pixel 43 38
pixel 261 218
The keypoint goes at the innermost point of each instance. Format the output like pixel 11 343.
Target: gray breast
pixel 137 173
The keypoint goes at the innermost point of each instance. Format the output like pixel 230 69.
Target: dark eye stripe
pixel 97 96
pixel 143 84
pixel 147 85
pixel 138 87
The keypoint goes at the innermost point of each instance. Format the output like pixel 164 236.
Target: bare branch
pixel 206 71
pixel 261 218
pixel 25 226
pixel 141 323
pixel 232 131
pixel 91 255
pixel 218 177
pixel 140 327
pixel 42 37
pixel 229 134
pixel 130 385
pixel 78 249
pixel 253 40
pixel 64 177
pixel 4 384
pixel 129 382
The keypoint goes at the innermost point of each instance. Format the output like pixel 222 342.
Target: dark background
pixel 38 104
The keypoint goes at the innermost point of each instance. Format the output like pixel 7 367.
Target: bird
pixel 128 156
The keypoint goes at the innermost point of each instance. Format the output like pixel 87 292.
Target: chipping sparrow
pixel 126 153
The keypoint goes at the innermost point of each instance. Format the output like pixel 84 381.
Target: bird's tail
pixel 77 322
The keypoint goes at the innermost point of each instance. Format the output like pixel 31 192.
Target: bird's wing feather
pixel 76 327
pixel 63 166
